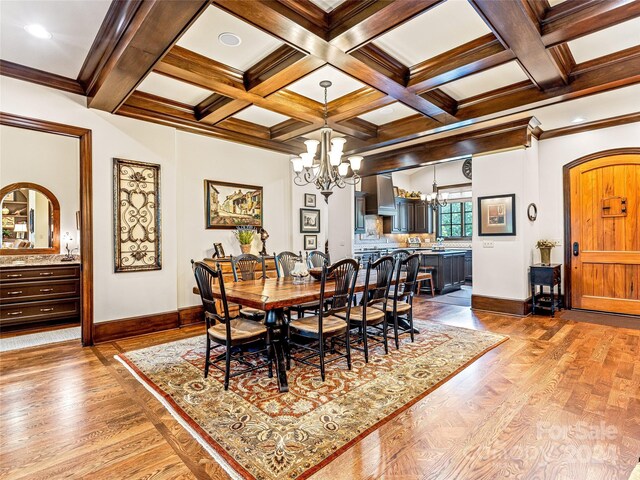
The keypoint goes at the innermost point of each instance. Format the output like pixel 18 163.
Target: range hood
pixel 379 199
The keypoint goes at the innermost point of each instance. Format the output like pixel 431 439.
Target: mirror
pixel 30 220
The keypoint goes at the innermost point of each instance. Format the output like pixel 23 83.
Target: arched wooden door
pixel 605 234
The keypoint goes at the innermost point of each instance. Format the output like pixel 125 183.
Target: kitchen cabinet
pixel 448 274
pixel 411 216
pixel 423 218
pixel 468 266
pixel 360 212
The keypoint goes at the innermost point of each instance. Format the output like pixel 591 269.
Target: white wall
pixel 48 160
pixel 341 223
pixel 297 202
pixel 200 158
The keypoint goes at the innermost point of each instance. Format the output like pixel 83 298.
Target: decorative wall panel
pixel 137 229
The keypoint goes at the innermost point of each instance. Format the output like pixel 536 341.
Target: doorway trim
pixel 566 186
pixel 86 208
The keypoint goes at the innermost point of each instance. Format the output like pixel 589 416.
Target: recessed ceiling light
pixel 38 31
pixel 386 110
pixel 578 120
pixel 229 39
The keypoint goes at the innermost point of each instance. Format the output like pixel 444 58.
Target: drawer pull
pixel 46 309
pixel 46 274
pixel 17 292
pixel 14 275
pixel 14 313
pixel 45 290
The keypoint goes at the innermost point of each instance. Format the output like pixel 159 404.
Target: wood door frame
pixel 86 207
pixel 566 184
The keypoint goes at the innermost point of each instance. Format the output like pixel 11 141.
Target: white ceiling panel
pixel 553 3
pixel 309 86
pixel 202 38
pixel 261 116
pixel 486 81
pixel 72 24
pixel 166 87
pixel 387 114
pixel 604 42
pixel 449 25
pixel 327 5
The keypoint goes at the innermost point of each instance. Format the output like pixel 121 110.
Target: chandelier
pixel 328 170
pixel 435 199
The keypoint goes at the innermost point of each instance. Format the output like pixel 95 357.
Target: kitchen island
pixel 448 273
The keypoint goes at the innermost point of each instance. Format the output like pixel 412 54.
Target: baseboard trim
pixel 191 315
pixel 519 308
pixel 134 326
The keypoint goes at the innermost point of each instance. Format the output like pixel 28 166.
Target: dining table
pixel 274 296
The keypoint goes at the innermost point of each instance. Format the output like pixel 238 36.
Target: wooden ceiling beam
pixel 510 135
pixel 608 73
pixel 151 31
pixel 442 100
pixel 310 11
pixel 570 20
pixel 40 77
pixel 242 126
pixel 377 58
pixel 357 128
pixel 260 14
pixel 512 23
pixel 472 57
pixel 216 108
pixel 354 24
pixel 357 103
pixel 151 108
pixel 291 128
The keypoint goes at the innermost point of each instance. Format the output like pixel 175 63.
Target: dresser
pixel 30 294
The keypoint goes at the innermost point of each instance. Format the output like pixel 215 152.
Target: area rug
pixel 255 432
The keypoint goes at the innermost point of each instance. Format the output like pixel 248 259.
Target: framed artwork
pixel 230 205
pixel 136 216
pixel 219 251
pixel 497 215
pixel 8 222
pixel 309 220
pixel 396 192
pixel 310 200
pixel 310 242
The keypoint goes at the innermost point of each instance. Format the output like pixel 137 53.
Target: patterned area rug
pixel 256 432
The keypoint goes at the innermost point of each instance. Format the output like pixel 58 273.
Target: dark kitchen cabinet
pixel 423 218
pixel 398 222
pixel 411 216
pixel 468 266
pixel 359 212
pixel 448 274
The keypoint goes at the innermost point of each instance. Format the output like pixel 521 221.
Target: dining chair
pixel 365 317
pixel 400 300
pixel 245 267
pixel 327 324
pixel 226 331
pixel 316 259
pixel 285 262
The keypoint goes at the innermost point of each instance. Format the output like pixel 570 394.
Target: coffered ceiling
pixel 403 71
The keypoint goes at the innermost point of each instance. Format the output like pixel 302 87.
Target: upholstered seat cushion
pixel 373 314
pixel 241 329
pixel 310 324
pixel 251 312
pixel 402 306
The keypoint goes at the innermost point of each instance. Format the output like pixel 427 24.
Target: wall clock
pixel 466 168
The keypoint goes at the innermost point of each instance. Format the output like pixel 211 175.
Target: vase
pixel 246 248
pixel 545 256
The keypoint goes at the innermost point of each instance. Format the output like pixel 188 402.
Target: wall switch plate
pixel 487 244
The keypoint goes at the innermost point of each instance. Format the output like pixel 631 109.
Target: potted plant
pixel 545 247
pixel 245 237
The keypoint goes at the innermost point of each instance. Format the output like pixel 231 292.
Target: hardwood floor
pixel 559 400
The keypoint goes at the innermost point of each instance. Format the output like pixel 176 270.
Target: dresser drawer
pixel 46 290
pixel 39 273
pixel 38 311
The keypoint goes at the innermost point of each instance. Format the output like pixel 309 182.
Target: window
pixel 455 220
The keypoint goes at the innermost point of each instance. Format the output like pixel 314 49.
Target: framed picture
pixel 310 242
pixel 309 220
pixel 219 251
pixel 229 205
pixel 310 200
pixel 8 222
pixel 497 215
pixel 136 220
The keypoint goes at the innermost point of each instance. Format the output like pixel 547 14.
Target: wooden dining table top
pixel 272 293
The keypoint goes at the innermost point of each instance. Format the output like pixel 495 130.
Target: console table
pixel 545 276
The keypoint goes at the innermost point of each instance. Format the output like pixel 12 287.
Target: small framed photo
pixel 309 220
pixel 310 200
pixel 310 242
pixel 497 215
pixel 396 192
pixel 219 251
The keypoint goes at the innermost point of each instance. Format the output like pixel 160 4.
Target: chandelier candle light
pixel 435 199
pixel 328 170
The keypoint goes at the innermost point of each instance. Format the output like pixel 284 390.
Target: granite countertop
pixel 17 261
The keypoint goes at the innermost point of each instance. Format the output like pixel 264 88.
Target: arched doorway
pixel 602 232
